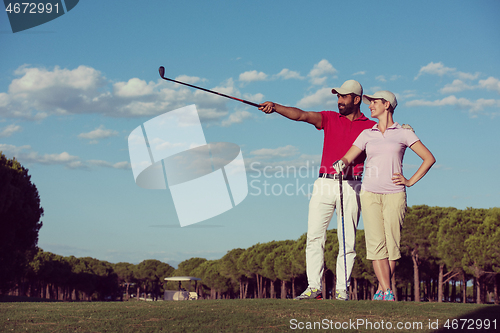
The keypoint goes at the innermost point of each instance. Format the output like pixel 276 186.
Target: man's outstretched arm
pixel 292 113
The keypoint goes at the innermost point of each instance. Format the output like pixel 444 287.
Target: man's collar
pixel 360 118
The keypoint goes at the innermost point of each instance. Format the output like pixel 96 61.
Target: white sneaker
pixel 341 295
pixel 310 293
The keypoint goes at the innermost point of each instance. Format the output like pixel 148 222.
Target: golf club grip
pixel 162 75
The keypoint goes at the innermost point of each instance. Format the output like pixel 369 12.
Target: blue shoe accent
pixel 389 296
pixel 379 296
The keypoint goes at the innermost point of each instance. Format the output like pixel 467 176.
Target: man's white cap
pixel 349 87
pixel 382 94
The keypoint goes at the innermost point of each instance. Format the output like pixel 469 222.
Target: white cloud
pixel 318 75
pixel 383 78
pixel 160 144
pixel 236 118
pixel 456 86
pixel 41 79
pixel 9 130
pixel 4 100
pixel 441 70
pixel 467 76
pixel 12 150
pixel 120 165
pixel 318 81
pixel 490 83
pixel 76 165
pixel 256 98
pixel 359 73
pixel 99 133
pixel 61 158
pixel 228 87
pixel 322 68
pixel 450 100
pixel 26 155
pixel 459 84
pixel 374 89
pixel 212 108
pixel 287 74
pixel 212 116
pixel 38 93
pixel 189 79
pixel 252 76
pixel 266 153
pixel 408 93
pixel 133 88
pixel 322 97
pixel 473 107
pixel 434 69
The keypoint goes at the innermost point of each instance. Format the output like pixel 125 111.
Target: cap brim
pixel 367 99
pixel 341 91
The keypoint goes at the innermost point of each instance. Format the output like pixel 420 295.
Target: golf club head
pixel 162 71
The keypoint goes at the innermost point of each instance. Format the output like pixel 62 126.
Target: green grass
pixel 262 315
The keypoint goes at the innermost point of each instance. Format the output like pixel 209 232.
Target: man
pixel 341 129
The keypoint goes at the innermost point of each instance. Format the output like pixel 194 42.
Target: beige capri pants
pixel 383 216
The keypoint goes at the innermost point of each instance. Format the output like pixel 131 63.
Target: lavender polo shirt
pixel 384 156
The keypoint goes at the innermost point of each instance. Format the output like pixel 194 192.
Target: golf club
pixel 162 74
pixel 343 228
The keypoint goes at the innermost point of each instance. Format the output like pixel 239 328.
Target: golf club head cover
pixel 339 166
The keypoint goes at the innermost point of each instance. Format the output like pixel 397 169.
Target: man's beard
pixel 347 110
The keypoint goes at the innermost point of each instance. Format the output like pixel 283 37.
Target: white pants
pixel 324 200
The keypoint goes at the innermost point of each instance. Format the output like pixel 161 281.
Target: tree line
pixel 20 214
pixel 52 276
pixel 443 250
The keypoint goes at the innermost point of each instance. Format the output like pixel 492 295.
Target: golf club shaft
pixel 343 228
pixel 161 70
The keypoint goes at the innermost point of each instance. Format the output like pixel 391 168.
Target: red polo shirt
pixel 340 134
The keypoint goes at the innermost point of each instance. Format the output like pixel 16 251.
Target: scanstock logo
pixel 205 180
pixel 25 15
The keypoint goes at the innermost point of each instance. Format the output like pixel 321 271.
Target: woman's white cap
pixel 382 94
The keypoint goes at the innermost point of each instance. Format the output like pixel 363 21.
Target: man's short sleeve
pixel 324 120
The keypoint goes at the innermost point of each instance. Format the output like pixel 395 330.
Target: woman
pixel 383 191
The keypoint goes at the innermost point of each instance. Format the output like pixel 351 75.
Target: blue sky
pixel 73 89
